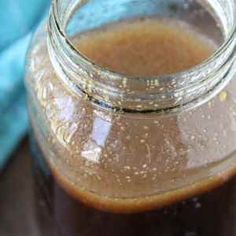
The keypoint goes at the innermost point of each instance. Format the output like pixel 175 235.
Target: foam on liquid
pixel 149 47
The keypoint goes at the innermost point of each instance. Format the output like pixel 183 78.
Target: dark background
pixel 16 195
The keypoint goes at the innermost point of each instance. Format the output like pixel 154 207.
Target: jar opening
pixel 167 93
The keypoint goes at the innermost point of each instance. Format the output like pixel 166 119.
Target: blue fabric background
pixel 18 20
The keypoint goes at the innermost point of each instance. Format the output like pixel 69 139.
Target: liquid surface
pixel 148 47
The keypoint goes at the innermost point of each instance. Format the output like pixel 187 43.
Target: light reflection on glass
pixel 93 148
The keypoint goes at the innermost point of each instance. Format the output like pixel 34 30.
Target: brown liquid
pixel 147 48
pixel 60 214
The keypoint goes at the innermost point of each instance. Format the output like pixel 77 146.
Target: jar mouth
pixel 229 39
pixel 179 82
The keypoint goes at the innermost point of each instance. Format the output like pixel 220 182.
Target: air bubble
pixel 223 96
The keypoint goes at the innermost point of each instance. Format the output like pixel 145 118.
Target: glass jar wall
pixel 133 153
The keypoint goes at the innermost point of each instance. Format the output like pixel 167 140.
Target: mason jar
pixel 116 154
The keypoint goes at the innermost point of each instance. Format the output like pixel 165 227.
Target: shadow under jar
pixel 121 154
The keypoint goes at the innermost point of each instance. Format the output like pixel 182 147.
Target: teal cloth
pixel 19 19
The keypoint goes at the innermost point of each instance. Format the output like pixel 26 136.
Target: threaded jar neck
pixel 160 94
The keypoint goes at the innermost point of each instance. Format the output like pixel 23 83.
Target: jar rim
pixel 195 74
pixel 227 41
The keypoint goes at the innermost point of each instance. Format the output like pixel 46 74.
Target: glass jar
pixel 138 155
